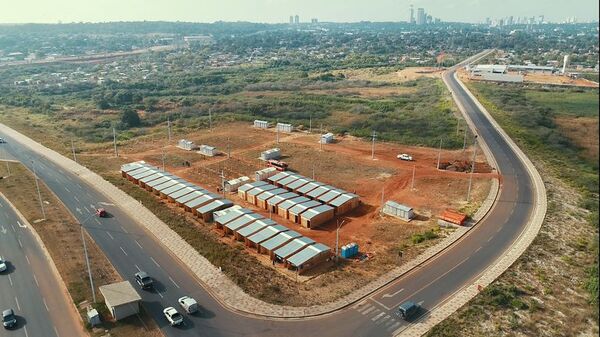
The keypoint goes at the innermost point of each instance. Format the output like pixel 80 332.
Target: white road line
pixel 173 282
pixel 381 304
pixel 56 332
pixel 478 249
pixel 124 230
pixel 36 280
pixel 46 305
pixel 110 235
pixel 27 258
pixel 123 250
pixel 368 310
pixel 67 189
pixel 25 329
pixel 384 319
pixel 18 306
pixel 137 243
pixel 138 268
pixel 76 199
pixel 153 260
pixel 393 294
pixel 378 316
pixel 364 308
pixel 13 227
pixel 10 280
pixel 394 326
pixel 98 222
pixel 159 294
pixel 20 244
pixel 490 238
pixel 21 225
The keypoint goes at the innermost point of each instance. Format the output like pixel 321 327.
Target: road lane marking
pixel 3 231
pixel 56 332
pixel 378 316
pixel 76 199
pixel 13 227
pixel 20 244
pixel 478 249
pixel 10 280
pixel 364 308
pixel 368 310
pixel 490 238
pixel 173 282
pixel 138 268
pixel 381 304
pixel 137 243
pixel 159 294
pixel 124 230
pixel 98 222
pixel 36 280
pixel 67 189
pixel 21 225
pixel 153 260
pixel 78 210
pixel 45 304
pixel 25 329
pixel 27 258
pixel 123 250
pixel 110 235
pixel 18 306
pixel 393 294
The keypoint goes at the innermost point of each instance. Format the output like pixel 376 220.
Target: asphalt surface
pixel 28 286
pixel 130 248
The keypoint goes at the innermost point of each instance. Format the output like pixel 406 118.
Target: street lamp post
pixel 37 185
pixel 337 238
pixel 472 169
pixel 87 260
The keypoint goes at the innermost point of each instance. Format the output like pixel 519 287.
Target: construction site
pixel 321 192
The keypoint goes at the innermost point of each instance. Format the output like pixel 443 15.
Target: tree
pixel 130 118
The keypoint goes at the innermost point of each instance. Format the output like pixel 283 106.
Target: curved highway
pixel 129 247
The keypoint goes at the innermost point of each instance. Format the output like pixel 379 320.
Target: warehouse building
pixel 237 224
pixel 265 234
pixel 344 203
pixel 121 299
pixel 284 207
pixel 283 127
pixel 261 124
pixel 242 190
pixel 398 210
pixel 273 202
pixel 265 173
pixel 253 193
pixel 279 240
pixel 270 154
pixel 295 211
pixel 291 248
pixel 309 257
pixel 253 228
pixel 316 216
pixel 228 215
pixel 261 199
pixel 206 211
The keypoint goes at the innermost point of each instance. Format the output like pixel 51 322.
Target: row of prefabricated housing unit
pixel 299 199
pixel 291 248
pixel 282 127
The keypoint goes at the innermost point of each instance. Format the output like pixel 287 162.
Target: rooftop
pixel 119 293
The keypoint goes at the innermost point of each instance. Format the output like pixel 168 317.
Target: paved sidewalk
pixel 216 282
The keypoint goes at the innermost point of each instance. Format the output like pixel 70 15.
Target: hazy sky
pixel 274 11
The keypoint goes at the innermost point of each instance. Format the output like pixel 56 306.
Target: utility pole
pixel 210 119
pixel 465 140
pixel 223 182
pixel 87 261
pixel 310 124
pixel 115 142
pixel 313 176
pixel 412 184
pixel 373 146
pixel 73 149
pixel 337 239
pixel 37 186
pixel 472 170
pixel 163 158
pixel 169 129
pixel 439 155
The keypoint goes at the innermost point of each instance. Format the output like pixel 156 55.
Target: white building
pixel 282 127
pixel 208 150
pixel 270 154
pixel 326 138
pixel 121 299
pixel 398 210
pixel 186 145
pixel 261 124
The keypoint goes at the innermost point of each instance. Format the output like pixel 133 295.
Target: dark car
pixel 408 310
pixel 9 320
pixel 143 280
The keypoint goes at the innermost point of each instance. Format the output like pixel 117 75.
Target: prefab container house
pixel 135 178
pixel 261 124
pixel 251 194
pixel 181 201
pixel 273 202
pixel 131 167
pixel 234 214
pixel 177 187
pixel 182 192
pixel 304 190
pixel 261 199
pixel 206 211
pixel 296 210
pixel 397 210
pixel 277 177
pixel 253 228
pixel 242 190
pixel 269 246
pixel 292 248
pixel 202 200
pixel 185 144
pixel 265 173
pixel 270 154
pixel 234 184
pixel 146 180
pixel 288 180
pixel 159 188
pixel 295 185
pixel 344 203
pixel 316 216
pixel 330 195
pixel 131 174
pixel 263 235
pixel 319 191
pixel 235 225
pixel 284 207
pixel 309 257
pixel 149 186
pixel 283 127
pixel 326 138
pixel 207 150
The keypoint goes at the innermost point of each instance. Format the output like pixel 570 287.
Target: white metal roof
pixel 307 253
pixel 119 293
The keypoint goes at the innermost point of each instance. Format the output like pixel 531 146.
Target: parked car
pixel 144 280
pixel 2 141
pixel 2 264
pixel 9 320
pixel 188 304
pixel 408 310
pixel 405 156
pixel 174 317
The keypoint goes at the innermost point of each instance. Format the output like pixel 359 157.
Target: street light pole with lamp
pixel 337 237
pixel 87 260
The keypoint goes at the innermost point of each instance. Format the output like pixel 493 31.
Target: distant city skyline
pixel 279 11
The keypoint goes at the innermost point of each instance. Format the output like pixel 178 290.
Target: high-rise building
pixel 314 20
pixel 566 61
pixel 291 19
pixel 540 19
pixel 488 21
pixel 421 16
pixel 412 14
pixel 510 20
pixel 428 19
pixel 296 19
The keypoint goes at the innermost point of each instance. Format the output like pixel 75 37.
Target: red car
pixel 101 212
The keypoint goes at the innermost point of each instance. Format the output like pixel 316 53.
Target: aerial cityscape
pixel 299 168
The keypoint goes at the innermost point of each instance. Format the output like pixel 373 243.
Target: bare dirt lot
pixel 583 131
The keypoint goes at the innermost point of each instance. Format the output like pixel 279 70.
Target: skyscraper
pixel 412 14
pixel 296 19
pixel 421 16
pixel 291 19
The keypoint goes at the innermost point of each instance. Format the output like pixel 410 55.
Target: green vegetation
pixel 573 102
pixel 425 236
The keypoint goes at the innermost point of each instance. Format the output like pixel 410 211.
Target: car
pixel 2 141
pixel 101 212
pixel 405 156
pixel 188 304
pixel 9 320
pixel 174 317
pixel 408 310
pixel 144 280
pixel 3 266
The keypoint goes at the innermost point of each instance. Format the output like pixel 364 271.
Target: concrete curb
pixel 468 292
pixel 50 262
pixel 217 283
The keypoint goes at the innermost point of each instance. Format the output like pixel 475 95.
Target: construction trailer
pixel 233 226
pixel 121 299
pixel 261 199
pixel 207 150
pixel 242 190
pixel 397 210
pixel 309 257
pixel 344 203
pixel 270 154
pixel 253 228
pixel 316 216
pixel 263 235
pixel 291 248
pixel 284 207
pixel 279 240
pixel 273 202
pixel 265 173
pixel 261 124
pixel 296 210
pixel 326 138
pixel 233 184
pixel 228 215
pixel 251 195
pixel 185 144
pixel 206 211
pixel 283 127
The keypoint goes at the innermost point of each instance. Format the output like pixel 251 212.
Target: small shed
pixel 121 299
pixel 344 203
pixel 185 144
pixel 316 216
pixel 304 190
pixel 206 211
pixel 239 223
pixel 397 210
pixel 269 246
pixel 273 202
pixel 251 195
pixel 309 257
pixel 296 210
pixel 263 235
pixel 207 150
pixel 292 247
pixel 261 199
pixel 242 190
pixel 284 207
pixel 270 154
pixel 234 184
pixel 265 173
pixel 261 124
pixel 283 127
pixel 326 138
pixel 226 217
pixel 253 228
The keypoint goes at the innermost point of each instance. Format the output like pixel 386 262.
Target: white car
pixel 188 304
pixel 404 156
pixel 174 317
pixel 2 264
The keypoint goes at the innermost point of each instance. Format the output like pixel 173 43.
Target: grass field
pixel 581 103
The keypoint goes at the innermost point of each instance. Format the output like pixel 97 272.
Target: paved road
pixel 29 286
pixel 130 248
